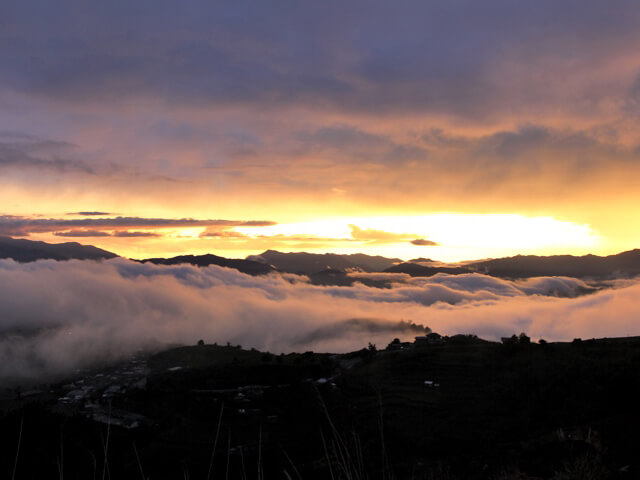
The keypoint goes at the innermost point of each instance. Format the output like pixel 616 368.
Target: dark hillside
pixel 460 408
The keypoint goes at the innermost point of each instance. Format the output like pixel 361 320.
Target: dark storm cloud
pixel 10 225
pixel 364 55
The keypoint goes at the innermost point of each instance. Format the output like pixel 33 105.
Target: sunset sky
pixel 444 129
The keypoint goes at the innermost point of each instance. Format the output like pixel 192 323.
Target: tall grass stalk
pixel 226 471
pixel 60 461
pixel 244 471
pixel 292 464
pixel 260 453
pixel 215 442
pixel 15 462
pixel 139 462
pixel 106 446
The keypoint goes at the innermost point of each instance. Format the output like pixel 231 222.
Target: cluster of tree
pixel 514 339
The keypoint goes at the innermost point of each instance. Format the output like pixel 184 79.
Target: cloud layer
pixel 94 227
pixel 59 316
pixel 365 56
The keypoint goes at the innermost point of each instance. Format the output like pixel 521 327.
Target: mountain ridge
pixel 22 250
pixel 327 266
pixel 304 263
pixel 245 266
pixel 417 270
pixel 522 266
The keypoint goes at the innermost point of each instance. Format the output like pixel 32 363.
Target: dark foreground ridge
pixel 439 408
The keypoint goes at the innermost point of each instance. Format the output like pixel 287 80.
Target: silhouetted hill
pixel 307 263
pixel 245 266
pixel 625 263
pixel 29 251
pixel 420 260
pixel 416 270
pixel 330 276
pixel 459 408
pixel 339 278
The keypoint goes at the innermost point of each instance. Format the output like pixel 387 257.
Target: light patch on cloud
pixel 82 233
pixel 223 234
pixel 380 236
pixel 133 234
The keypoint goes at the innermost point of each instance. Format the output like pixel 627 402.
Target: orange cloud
pixel 381 236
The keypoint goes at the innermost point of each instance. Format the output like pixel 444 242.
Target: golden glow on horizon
pixel 491 230
pixel 458 237
pixel 185 232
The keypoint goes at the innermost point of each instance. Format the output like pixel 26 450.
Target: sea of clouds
pixel 57 317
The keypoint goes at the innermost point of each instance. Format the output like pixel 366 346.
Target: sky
pixel 443 129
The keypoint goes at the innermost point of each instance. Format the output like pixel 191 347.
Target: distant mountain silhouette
pixel 331 269
pixel 245 266
pixel 22 250
pixel 416 270
pixel 339 278
pixel 330 276
pixel 308 263
pixel 420 260
pixel 625 263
